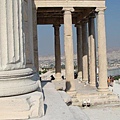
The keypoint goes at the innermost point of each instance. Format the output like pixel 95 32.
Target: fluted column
pixel 85 51
pixel 28 29
pixel 57 52
pixel 15 76
pixel 35 39
pixel 92 50
pixel 79 50
pixel 11 38
pixel 102 58
pixel 68 44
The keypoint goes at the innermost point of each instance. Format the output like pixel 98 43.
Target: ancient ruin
pixel 20 87
pixel 80 13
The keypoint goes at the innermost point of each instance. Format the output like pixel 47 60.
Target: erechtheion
pixel 20 87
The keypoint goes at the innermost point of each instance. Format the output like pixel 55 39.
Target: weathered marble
pixel 85 51
pixel 20 88
pixel 57 52
pixel 92 50
pixel 102 50
pixel 18 75
pixel 79 50
pixel 68 43
pixel 22 107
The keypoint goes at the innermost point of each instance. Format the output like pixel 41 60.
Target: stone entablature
pixel 70 12
pixel 54 9
pixel 70 3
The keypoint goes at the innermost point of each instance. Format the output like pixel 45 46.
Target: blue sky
pixel 113 23
pixel 112 19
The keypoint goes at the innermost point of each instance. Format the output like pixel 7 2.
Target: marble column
pixel 79 50
pixel 92 50
pixel 88 60
pixel 35 39
pixel 57 52
pixel 68 44
pixel 28 30
pixel 102 58
pixel 20 89
pixel 15 76
pixel 85 51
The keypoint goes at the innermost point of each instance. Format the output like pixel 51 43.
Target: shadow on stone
pixel 43 94
pixel 45 108
pixel 68 85
pixel 69 103
pixel 44 83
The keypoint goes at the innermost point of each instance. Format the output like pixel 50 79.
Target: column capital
pixel 78 24
pixel 71 9
pixel 100 9
pixel 92 15
pixel 56 25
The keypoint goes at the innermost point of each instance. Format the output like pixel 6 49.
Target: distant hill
pixel 111 54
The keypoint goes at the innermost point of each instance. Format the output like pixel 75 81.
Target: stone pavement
pixel 116 88
pixel 55 107
pixel 105 112
pixel 87 93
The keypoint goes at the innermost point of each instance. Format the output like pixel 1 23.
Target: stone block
pixel 66 98
pixel 98 98
pixel 22 107
pixel 59 84
pixel 78 113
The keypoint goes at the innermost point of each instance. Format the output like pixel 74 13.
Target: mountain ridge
pixel 111 54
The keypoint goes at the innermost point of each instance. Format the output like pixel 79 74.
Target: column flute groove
pixel 15 75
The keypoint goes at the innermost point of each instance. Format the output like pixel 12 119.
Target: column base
pixel 22 107
pixel 92 84
pixel 58 79
pixel 103 90
pixel 70 86
pixel 72 93
pixel 85 80
pixel 79 78
pixel 17 82
pixel 59 84
pixel 97 98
